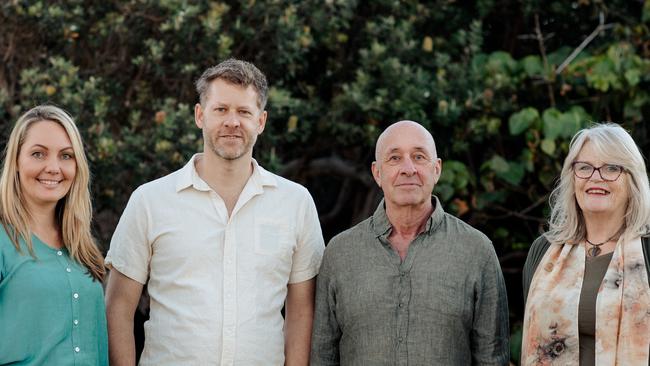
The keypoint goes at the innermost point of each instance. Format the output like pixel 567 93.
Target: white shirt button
pixel 75 322
pixel 75 295
pixel 77 349
pixel 59 253
pixel 68 270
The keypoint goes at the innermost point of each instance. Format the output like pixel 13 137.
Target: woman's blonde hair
pixel 73 212
pixel 615 145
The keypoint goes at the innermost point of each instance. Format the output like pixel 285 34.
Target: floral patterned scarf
pixel 622 308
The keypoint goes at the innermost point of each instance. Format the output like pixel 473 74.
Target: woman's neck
pixel 44 225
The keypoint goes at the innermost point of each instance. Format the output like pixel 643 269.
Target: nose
pixel 408 167
pixel 53 166
pixel 232 120
pixel 593 175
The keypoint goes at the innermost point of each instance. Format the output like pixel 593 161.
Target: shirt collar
pixel 382 226
pixel 189 177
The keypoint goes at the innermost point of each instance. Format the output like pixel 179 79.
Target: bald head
pixel 406 128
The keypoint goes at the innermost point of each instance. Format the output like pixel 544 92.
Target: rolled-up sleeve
pixel 130 250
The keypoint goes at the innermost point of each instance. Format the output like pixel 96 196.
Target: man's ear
pixel 437 170
pixel 198 115
pixel 262 122
pixel 376 173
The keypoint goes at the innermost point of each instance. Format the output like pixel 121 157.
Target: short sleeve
pixel 310 245
pixel 130 249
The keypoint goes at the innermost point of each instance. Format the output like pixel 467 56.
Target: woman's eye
pixel 38 154
pixel 67 156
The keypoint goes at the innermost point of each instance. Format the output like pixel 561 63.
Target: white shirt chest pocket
pixel 274 238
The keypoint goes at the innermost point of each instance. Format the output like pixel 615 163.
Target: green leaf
pixel 633 76
pixel 532 65
pixel 548 146
pixel 444 191
pixel 552 119
pixel 522 120
pixel 510 172
pixel 498 164
pixel 574 120
pixel 455 174
pixel 484 200
pixel 501 61
pixel 515 173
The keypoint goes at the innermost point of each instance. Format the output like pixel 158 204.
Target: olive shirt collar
pixel 381 226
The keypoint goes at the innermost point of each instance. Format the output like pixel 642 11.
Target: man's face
pixel 230 119
pixel 407 167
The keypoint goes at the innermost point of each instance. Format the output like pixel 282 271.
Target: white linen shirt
pixel 217 283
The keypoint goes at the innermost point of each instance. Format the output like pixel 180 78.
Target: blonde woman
pixel 51 299
pixel 586 279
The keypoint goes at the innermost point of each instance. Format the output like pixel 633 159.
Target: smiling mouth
pixel 597 191
pixel 49 182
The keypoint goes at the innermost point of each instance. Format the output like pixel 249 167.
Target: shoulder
pixel 160 185
pixel 468 236
pixel 287 186
pixel 160 190
pixel 535 254
pixel 5 240
pixel 537 249
pixel 344 244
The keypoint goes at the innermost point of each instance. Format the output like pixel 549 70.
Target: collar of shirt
pixel 381 226
pixel 189 177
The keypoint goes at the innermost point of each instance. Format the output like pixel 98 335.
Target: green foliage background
pixel 485 77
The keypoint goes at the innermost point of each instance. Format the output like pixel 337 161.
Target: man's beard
pixel 231 153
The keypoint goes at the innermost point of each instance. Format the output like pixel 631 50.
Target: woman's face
pixel 596 196
pixel 46 164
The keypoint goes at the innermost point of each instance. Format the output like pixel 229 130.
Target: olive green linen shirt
pixel 444 304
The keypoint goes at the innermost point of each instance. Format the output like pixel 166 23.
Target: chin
pixel 408 202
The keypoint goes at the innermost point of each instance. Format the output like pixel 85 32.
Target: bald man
pixel 411 285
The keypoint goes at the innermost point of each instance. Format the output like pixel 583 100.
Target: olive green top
pixel 595 269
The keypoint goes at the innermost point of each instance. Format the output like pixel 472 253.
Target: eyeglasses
pixel 608 172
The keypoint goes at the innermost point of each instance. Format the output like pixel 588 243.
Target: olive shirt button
pixel 548 267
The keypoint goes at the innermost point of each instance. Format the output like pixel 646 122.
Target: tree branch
pixel 599 29
pixel 542 51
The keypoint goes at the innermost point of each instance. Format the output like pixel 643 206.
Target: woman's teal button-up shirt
pixel 52 312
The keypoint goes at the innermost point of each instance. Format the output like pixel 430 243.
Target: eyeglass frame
pixel 573 167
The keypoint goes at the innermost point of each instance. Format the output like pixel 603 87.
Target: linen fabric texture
pixel 444 304
pixel 622 308
pixel 51 309
pixel 217 283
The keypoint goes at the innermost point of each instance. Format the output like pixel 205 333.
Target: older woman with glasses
pixel 587 279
